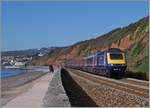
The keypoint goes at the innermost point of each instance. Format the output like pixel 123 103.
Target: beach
pixel 12 87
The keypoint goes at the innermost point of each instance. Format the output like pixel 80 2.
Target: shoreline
pixel 21 67
pixel 16 85
pixel 12 67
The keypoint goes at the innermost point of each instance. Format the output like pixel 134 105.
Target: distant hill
pixel 30 52
pixel 134 39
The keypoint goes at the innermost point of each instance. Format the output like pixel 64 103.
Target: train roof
pixel 100 52
pixel 88 57
pixel 111 50
pixel 114 50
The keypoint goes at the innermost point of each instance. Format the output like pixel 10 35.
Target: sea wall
pixel 56 95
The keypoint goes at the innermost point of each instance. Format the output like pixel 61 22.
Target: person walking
pixel 51 69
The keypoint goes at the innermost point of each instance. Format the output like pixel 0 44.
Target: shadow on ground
pixel 77 96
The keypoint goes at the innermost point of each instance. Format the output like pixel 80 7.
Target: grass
pixel 140 71
pixel 139 47
pixel 137 75
pixel 144 66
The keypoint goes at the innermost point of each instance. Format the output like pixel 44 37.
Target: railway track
pixel 136 82
pixel 133 87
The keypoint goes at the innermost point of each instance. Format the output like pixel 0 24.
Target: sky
pixel 27 25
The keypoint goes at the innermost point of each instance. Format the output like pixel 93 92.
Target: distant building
pixel 40 54
pixel 5 63
pixel 12 62
pixel 19 64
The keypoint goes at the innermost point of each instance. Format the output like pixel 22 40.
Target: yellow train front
pixel 111 63
pixel 116 63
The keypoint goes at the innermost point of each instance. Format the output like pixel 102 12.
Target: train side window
pixel 101 60
pixel 98 60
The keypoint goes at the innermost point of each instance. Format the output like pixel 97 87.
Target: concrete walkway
pixel 34 96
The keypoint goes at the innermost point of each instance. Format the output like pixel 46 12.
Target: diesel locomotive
pixel 110 62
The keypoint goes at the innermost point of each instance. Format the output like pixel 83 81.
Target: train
pixel 110 63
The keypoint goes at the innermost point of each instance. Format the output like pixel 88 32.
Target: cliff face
pixel 134 39
pixel 136 45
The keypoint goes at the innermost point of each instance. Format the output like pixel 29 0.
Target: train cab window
pixel 116 56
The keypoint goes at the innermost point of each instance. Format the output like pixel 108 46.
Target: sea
pixel 8 72
pixel 11 72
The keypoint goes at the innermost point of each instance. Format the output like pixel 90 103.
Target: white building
pixel 19 64
pixel 40 54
